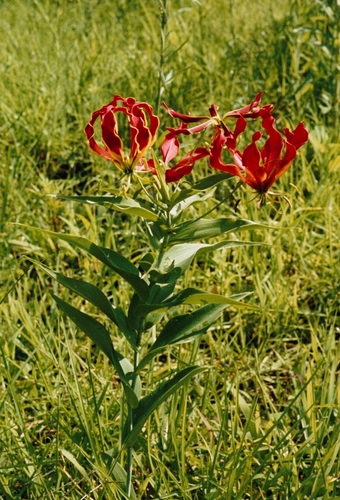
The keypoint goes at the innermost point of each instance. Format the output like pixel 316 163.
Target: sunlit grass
pixel 263 420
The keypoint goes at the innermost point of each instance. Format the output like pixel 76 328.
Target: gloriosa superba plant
pixel 154 195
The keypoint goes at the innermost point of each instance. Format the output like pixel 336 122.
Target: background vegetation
pixel 263 422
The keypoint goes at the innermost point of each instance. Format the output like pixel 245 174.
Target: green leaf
pixel 176 300
pixel 180 256
pixel 156 234
pixel 110 258
pixel 211 181
pixel 180 206
pixel 101 337
pixel 202 185
pixel 185 327
pixel 214 298
pixel 96 297
pixel 128 206
pixel 147 358
pixel 207 228
pixel 118 472
pixel 146 261
pixel 150 403
pixel 193 296
pixel 158 292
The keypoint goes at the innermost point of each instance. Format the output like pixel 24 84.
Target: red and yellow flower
pixel 143 125
pixel 169 150
pixel 252 110
pixel 259 168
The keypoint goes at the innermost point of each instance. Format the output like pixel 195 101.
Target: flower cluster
pixel 257 167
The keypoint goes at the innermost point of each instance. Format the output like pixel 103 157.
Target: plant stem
pixel 128 486
pixel 129 457
pixel 162 6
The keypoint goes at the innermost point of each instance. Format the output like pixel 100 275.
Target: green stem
pixel 336 64
pixel 162 6
pixel 128 486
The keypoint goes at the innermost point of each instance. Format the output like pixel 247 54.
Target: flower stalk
pixel 163 35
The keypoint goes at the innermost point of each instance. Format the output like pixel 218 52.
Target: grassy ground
pixel 263 422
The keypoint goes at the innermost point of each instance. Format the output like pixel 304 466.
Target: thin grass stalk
pixel 163 35
pixel 337 63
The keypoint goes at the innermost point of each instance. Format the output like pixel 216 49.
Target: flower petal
pixel 231 137
pixel 251 160
pixel 176 174
pixel 89 131
pixel 298 137
pixel 185 166
pixel 182 129
pixel 272 149
pixel 281 166
pixel 184 118
pixel 213 110
pixel 143 133
pixel 217 145
pixel 110 133
pixel 253 110
pixel 169 148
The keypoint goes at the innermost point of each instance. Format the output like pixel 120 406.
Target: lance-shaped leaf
pixel 101 337
pixel 141 318
pixel 207 228
pixel 180 256
pixel 147 358
pixel 215 298
pixel 186 327
pixel 150 403
pixel 160 291
pixel 211 181
pixel 206 183
pixel 96 297
pixel 128 206
pixel 193 296
pixel 110 258
pixel 179 207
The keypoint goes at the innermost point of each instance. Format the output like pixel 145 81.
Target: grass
pixel 263 421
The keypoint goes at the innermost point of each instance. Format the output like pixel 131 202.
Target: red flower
pixel 169 150
pixel 258 168
pixel 143 129
pixel 214 119
pixel 170 145
pixel 253 110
